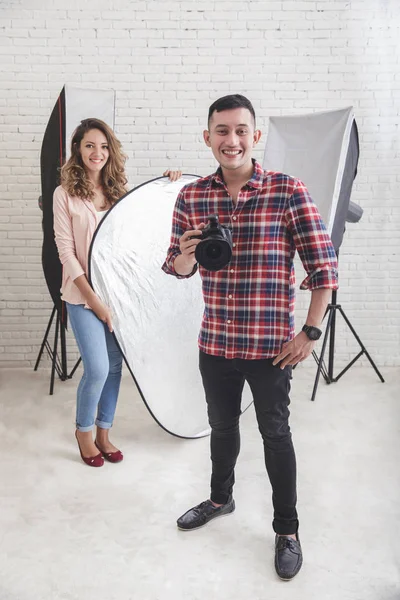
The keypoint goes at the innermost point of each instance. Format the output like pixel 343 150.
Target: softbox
pixel 322 150
pixel 73 105
pixel 156 318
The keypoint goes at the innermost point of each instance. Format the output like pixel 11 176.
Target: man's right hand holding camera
pixel 185 262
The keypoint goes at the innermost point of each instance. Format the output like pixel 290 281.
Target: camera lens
pixel 213 255
pixel 213 251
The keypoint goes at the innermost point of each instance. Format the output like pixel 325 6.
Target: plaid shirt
pixel 249 305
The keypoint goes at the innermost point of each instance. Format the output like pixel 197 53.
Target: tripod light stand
pixel 330 332
pixel 59 363
pixel 322 149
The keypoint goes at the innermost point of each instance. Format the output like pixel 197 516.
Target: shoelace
pixel 286 542
pixel 202 505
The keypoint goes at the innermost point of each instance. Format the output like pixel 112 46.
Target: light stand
pixel 58 365
pixel 330 332
pixel 322 149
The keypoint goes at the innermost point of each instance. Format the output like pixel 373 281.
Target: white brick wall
pixel 167 62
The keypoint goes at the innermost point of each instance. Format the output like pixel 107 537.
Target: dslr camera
pixel 215 250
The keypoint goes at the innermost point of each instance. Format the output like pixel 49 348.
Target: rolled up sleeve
pixel 312 241
pixel 64 235
pixel 180 224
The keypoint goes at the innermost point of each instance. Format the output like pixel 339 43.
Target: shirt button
pixel 232 270
pixel 229 322
pixel 230 296
pixel 234 218
pixel 234 245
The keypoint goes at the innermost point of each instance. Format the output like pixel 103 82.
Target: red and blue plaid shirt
pixel 249 305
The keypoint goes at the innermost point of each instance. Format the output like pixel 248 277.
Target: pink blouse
pixel 75 221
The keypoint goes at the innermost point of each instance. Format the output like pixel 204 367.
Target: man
pixel 247 332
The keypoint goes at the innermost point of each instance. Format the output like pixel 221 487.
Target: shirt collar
pixel 255 181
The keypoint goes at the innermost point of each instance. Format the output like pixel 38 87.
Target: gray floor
pixel 71 532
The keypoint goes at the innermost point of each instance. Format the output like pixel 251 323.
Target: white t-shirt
pixel 100 214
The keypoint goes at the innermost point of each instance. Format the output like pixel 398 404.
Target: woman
pixel 92 180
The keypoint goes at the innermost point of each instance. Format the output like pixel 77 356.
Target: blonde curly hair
pixel 74 178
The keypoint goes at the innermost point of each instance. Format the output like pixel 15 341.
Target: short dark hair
pixel 229 102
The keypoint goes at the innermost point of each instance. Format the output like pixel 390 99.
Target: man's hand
pixel 187 245
pixel 295 351
pixel 185 262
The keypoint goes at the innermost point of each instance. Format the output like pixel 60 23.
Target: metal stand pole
pixel 57 365
pixel 331 331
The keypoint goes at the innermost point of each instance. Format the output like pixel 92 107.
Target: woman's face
pixel 94 150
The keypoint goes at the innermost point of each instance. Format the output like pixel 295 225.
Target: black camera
pixel 215 250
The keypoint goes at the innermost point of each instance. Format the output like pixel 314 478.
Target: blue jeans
pixel 102 363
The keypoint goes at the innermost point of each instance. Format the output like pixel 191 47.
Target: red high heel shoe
pixel 92 461
pixel 112 457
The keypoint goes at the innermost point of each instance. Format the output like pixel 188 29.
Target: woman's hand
pixel 102 312
pixel 173 175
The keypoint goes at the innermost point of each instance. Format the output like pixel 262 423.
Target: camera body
pixel 215 250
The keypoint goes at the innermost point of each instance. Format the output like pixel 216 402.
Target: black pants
pixel 223 381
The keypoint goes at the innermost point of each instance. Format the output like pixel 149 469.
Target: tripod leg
pixel 324 371
pixel 321 358
pixel 364 350
pixel 64 367
pixel 332 338
pixel 53 365
pixel 78 362
pixel 45 339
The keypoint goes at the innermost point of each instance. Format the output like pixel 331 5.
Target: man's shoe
pixel 288 556
pixel 203 513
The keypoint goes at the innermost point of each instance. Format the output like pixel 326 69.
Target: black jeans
pixel 223 381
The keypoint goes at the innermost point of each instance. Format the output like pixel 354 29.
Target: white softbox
pixel 83 104
pixel 322 150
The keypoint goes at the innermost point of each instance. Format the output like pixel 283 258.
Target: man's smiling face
pixel 231 137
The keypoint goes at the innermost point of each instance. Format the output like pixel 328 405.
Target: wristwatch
pixel 313 333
